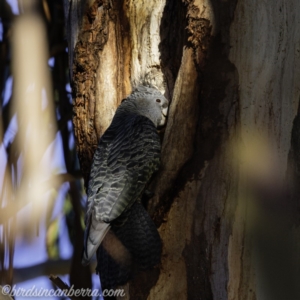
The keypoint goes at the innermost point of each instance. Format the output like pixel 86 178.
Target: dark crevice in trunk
pixel 173 36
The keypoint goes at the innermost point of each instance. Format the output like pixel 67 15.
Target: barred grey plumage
pixel 127 155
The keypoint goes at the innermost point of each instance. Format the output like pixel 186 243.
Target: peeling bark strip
pixel 193 48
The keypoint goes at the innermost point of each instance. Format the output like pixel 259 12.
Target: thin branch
pixel 61 266
pixel 63 286
pixel 80 276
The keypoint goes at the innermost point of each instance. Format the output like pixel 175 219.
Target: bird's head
pixel 151 103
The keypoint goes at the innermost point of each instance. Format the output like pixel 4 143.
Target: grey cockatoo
pixel 127 155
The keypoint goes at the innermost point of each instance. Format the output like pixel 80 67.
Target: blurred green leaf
pixel 52 239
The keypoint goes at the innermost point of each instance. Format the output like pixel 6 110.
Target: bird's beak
pixel 165 112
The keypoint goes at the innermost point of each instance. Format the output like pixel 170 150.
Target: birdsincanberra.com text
pixel 71 292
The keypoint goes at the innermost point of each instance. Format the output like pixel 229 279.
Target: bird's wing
pixel 127 156
pixel 131 158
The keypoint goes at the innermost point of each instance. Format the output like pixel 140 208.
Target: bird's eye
pixel 158 100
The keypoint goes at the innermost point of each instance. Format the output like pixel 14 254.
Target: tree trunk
pixel 231 71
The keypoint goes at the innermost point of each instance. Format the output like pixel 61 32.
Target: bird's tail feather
pixel 94 234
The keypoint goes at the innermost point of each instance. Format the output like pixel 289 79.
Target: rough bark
pixel 230 69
